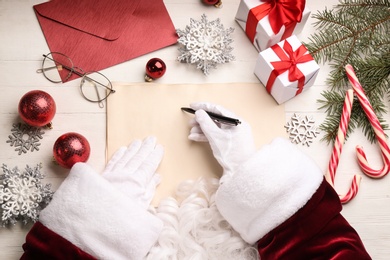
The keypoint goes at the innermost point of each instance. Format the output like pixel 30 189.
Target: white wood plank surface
pixel 22 45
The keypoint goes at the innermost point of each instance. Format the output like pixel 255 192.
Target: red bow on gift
pixel 288 61
pixel 280 12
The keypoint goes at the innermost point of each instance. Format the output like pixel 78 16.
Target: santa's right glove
pixel 101 217
pixel 276 197
pixel 231 145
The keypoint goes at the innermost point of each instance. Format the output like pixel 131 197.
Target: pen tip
pixel 188 110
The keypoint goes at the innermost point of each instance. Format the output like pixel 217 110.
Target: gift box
pixel 267 22
pixel 286 69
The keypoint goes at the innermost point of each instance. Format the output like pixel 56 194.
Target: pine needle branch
pixel 354 32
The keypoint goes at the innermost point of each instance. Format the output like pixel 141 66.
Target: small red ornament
pixel 216 3
pixel 155 68
pixel 37 108
pixel 71 148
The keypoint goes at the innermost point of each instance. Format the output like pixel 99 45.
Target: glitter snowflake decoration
pixel 205 43
pixel 25 138
pixel 22 195
pixel 301 129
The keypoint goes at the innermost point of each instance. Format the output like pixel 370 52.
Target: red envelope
pixel 97 34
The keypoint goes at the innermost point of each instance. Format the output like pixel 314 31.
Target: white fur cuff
pixel 90 213
pixel 270 187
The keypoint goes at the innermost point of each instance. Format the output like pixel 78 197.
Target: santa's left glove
pixel 132 170
pixel 94 216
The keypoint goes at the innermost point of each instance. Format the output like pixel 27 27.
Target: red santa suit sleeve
pixel 42 243
pixel 280 200
pixel 88 218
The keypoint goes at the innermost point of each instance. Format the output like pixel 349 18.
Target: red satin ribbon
pixel 280 12
pixel 288 61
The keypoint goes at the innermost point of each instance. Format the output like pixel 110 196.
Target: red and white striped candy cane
pixel 338 147
pixel 352 191
pixel 380 135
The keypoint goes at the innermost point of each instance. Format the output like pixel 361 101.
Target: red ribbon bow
pixel 280 12
pixel 288 61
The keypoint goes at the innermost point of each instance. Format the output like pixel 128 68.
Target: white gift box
pixel 282 89
pixel 265 37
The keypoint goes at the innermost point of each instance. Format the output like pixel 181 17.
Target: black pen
pixel 217 118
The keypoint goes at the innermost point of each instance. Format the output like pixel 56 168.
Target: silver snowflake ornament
pixel 22 194
pixel 25 138
pixel 301 129
pixel 205 43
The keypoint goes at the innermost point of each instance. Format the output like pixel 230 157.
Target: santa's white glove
pixel 132 169
pixel 231 145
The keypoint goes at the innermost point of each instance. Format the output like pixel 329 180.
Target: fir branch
pixel 358 119
pixel 334 107
pixel 333 103
pixel 365 4
pixel 354 32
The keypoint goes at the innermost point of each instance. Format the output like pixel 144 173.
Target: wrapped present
pixel 286 69
pixel 267 22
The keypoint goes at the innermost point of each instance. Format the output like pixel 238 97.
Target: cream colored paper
pixel 136 111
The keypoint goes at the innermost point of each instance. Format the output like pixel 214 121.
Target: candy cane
pixel 380 135
pixel 353 190
pixel 338 147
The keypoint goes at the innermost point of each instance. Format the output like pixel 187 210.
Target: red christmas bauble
pixel 71 148
pixel 155 68
pixel 37 108
pixel 216 3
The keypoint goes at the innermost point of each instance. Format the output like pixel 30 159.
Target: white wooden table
pixel 22 45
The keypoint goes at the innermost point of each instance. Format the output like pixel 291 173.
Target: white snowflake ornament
pixel 301 129
pixel 22 195
pixel 205 43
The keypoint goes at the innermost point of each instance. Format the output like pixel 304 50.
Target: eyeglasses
pixel 94 86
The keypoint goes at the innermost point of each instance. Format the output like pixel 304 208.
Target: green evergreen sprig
pixel 354 32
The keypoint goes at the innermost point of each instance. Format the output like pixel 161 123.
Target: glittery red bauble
pixel 37 108
pixel 155 68
pixel 212 2
pixel 71 148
